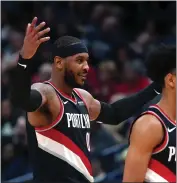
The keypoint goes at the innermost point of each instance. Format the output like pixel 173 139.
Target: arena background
pixel 119 35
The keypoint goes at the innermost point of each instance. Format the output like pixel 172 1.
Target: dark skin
pixel 76 66
pixel 147 133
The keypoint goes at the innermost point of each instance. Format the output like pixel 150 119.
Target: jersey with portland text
pixel 63 147
pixel 162 165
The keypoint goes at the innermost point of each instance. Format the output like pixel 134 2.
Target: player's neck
pixel 168 104
pixel 61 85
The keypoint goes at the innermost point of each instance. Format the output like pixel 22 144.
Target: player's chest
pixel 75 116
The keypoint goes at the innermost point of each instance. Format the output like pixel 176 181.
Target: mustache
pixel 85 72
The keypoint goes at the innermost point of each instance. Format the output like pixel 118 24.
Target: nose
pixel 86 66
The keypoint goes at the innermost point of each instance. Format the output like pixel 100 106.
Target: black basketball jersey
pixel 162 165
pixel 61 150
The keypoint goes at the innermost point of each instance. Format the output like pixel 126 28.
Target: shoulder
pixel 44 89
pixel 41 86
pixel 92 104
pixel 147 122
pixel 84 94
pixel 147 129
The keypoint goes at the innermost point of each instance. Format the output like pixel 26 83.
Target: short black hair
pixel 66 41
pixel 160 62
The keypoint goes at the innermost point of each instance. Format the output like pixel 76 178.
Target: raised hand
pixel 33 38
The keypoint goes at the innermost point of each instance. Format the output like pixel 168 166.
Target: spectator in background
pixel 7 152
pixel 5 28
pixel 11 52
pixel 44 73
pixel 19 132
pixel 15 154
pixel 8 120
pixel 147 36
pixel 4 86
pixel 133 78
pixel 105 81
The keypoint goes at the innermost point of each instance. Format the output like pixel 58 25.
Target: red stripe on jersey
pixel 78 93
pixel 162 170
pixel 58 119
pixel 166 139
pixel 162 111
pixel 62 139
pixel 62 93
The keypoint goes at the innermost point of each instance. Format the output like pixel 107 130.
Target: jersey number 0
pixel 88 140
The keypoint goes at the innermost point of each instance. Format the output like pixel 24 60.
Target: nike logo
pixel 170 130
pixel 23 65
pixel 156 92
pixel 65 102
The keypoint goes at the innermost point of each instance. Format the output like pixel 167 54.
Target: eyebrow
pixel 82 57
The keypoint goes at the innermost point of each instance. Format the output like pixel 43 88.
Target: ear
pixel 58 61
pixel 170 80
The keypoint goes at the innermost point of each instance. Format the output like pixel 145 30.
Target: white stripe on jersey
pixel 152 176
pixel 62 152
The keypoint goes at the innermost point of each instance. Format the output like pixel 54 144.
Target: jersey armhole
pixel 55 122
pixel 161 146
pixel 80 96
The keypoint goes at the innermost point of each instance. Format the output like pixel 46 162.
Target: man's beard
pixel 70 79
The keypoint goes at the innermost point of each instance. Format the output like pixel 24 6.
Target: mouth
pixel 83 76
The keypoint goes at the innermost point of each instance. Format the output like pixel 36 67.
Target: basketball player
pixel 152 152
pixel 59 113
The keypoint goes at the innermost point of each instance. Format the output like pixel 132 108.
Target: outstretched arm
pixel 120 110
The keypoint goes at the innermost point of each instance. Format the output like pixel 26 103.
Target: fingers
pixel 30 26
pixel 42 40
pixel 39 27
pixel 41 33
pixel 28 29
pixel 35 34
pixel 35 30
pixel 33 23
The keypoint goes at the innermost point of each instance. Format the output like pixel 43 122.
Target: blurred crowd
pixel 119 35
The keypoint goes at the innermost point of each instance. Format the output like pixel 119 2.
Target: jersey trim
pixel 152 176
pixel 163 113
pixel 58 119
pixel 59 145
pixel 80 96
pixel 165 140
pixel 162 145
pixel 157 172
pixel 73 100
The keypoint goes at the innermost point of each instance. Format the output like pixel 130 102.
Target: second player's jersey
pixel 162 165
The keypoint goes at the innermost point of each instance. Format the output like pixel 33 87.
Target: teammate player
pixel 152 152
pixel 61 113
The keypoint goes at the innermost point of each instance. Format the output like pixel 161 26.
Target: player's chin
pixel 81 82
